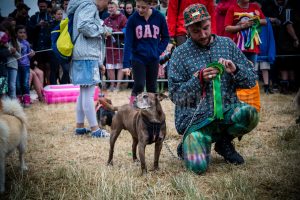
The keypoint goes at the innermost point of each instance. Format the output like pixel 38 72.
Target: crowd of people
pixel 234 42
pixel 273 44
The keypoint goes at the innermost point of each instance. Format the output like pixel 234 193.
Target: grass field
pixel 65 166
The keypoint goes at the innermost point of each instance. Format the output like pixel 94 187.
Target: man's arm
pixel 184 89
pixel 86 22
pixel 129 37
pixel 164 36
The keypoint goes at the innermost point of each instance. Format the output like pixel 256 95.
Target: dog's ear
pixel 161 96
pixel 107 105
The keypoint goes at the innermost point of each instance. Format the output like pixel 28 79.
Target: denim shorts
pixel 85 72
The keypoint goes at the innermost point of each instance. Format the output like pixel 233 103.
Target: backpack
pixel 61 39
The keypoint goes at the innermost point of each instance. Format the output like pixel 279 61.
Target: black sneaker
pixel 180 151
pixel 226 149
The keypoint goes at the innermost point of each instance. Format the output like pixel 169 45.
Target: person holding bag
pixel 89 32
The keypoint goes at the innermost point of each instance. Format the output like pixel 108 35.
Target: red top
pixel 175 19
pixel 221 11
pixel 236 14
pixel 114 47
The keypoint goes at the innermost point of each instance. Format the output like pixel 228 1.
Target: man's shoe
pixel 226 149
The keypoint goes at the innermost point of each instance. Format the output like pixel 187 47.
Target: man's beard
pixel 207 40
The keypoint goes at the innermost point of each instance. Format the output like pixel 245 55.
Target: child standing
pixel 4 53
pixel 57 14
pixel 24 66
pixel 117 22
pixel 146 38
pixel 267 55
pixel 12 63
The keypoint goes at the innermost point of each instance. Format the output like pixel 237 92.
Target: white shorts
pixel 262 65
pixel 114 66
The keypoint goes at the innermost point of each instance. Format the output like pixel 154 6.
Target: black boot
pixel 267 89
pixel 284 87
pixel 225 148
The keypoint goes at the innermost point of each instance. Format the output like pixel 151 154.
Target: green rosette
pixel 218 105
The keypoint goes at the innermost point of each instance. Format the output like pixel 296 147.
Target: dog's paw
pixel 154 169
pixel 144 172
pixel 136 160
pixel 110 163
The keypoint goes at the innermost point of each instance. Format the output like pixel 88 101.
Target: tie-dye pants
pixel 239 120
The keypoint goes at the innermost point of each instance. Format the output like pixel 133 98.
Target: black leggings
pixel 141 73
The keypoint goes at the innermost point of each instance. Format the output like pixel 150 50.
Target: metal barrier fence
pixel 115 48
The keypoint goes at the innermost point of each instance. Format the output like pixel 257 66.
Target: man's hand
pixel 32 53
pixel 228 64
pixel 12 50
pixel 209 73
pixel 170 47
pixel 275 21
pixel 246 24
pixel 126 71
pixel 296 43
pixel 102 69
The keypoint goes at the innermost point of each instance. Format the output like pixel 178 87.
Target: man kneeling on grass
pixel 204 74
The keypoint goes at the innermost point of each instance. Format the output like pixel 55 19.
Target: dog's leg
pixel 2 172
pixel 21 149
pixel 134 146
pixel 142 147
pixel 113 137
pixel 158 147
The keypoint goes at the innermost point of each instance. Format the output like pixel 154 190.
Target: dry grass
pixel 65 166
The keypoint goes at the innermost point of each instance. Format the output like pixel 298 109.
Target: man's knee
pixel 245 119
pixel 198 166
pixel 196 148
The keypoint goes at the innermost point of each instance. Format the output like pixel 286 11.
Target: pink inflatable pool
pixel 63 93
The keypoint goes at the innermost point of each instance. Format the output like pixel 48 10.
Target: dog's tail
pixel 13 107
pixel 107 104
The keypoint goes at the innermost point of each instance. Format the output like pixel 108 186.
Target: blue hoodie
pixel 267 47
pixel 145 40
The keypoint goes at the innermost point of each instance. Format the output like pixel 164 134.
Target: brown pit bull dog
pixel 146 123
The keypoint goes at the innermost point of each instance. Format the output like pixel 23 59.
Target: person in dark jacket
pixel 102 7
pixel 146 38
pixel 4 53
pixel 39 32
pixel 21 15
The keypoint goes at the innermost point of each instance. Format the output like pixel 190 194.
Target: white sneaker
pixel 105 133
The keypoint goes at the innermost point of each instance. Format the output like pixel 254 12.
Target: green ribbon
pixel 253 31
pixel 218 105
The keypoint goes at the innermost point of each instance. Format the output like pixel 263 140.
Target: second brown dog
pixel 146 123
